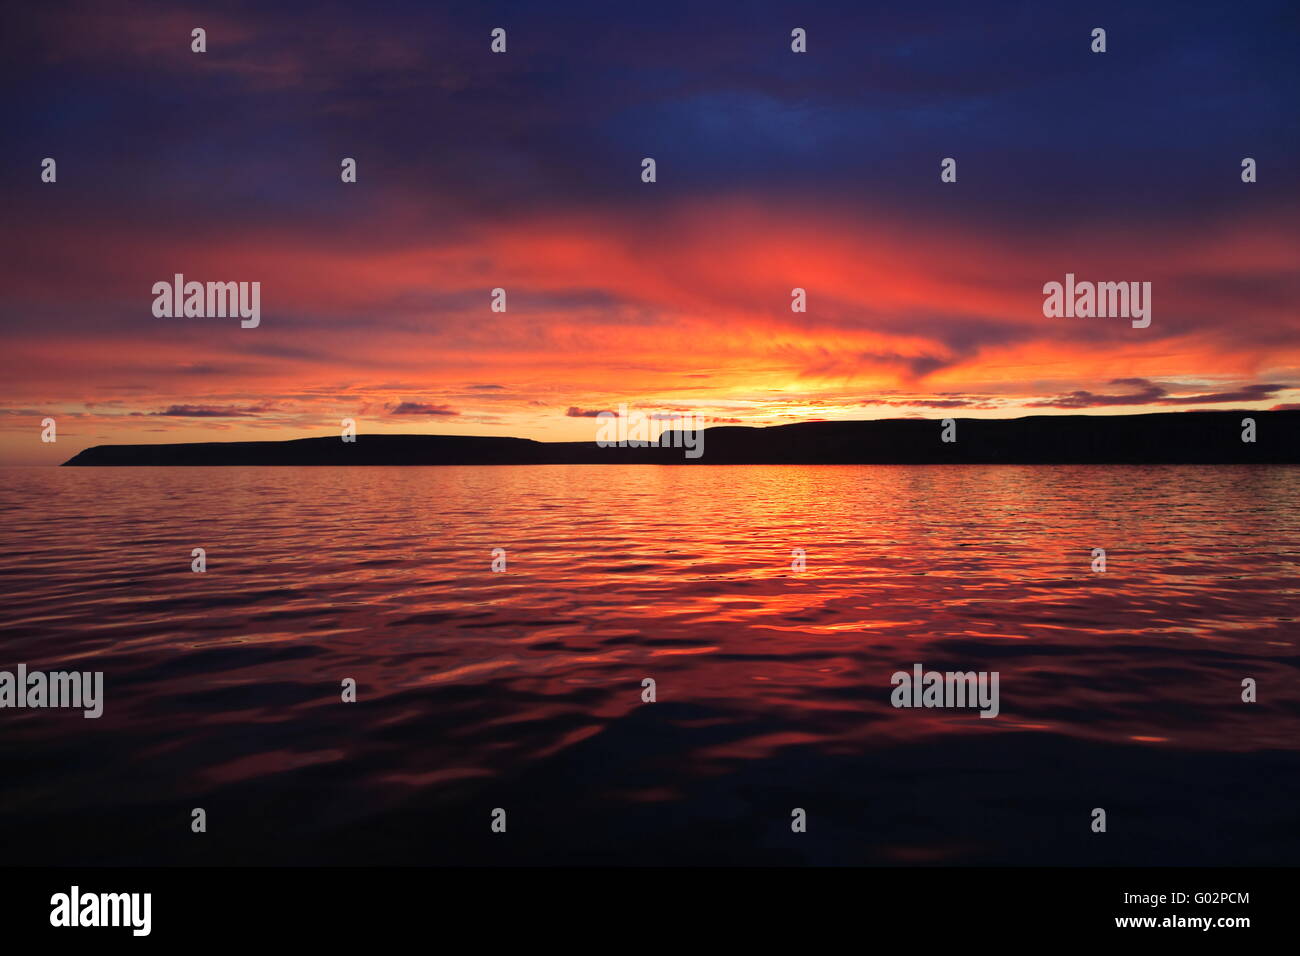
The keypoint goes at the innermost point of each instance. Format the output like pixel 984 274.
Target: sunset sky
pixel 523 171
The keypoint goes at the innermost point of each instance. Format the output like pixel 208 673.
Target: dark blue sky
pixel 774 170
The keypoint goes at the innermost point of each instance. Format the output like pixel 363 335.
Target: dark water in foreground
pixel 522 689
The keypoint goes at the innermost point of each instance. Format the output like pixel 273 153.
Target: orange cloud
pixel 689 306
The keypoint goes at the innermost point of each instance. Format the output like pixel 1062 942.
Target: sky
pixel 522 170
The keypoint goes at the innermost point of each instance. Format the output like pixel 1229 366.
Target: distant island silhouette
pixel 1190 438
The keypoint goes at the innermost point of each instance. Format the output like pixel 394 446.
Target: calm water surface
pixel 522 689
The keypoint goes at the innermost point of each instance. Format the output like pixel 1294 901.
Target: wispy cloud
pixel 1151 393
pixel 421 408
pixel 211 411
